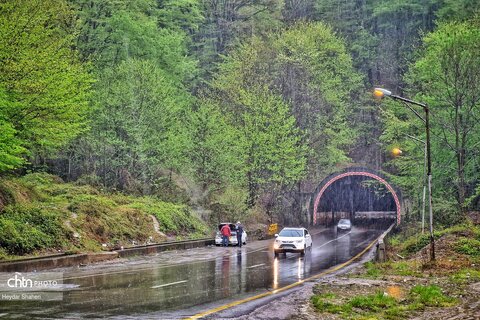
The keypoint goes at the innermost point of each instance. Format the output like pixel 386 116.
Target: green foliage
pixel 25 228
pixel 228 23
pixel 173 218
pixel 449 68
pixel 325 306
pixel 383 306
pixel 11 149
pixel 44 88
pixel 288 95
pixel 43 213
pixel 115 31
pixel 401 268
pixel 182 14
pixel 431 296
pixel 374 302
pixel 458 10
pixel 444 75
pixel 139 126
pixel 465 276
pixel 215 152
pixel 468 246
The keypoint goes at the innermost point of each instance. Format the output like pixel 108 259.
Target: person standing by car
pixel 226 232
pixel 239 234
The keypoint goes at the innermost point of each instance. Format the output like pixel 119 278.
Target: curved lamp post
pixel 380 93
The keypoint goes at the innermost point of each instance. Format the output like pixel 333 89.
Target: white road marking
pixel 257 265
pixel 346 234
pixel 168 284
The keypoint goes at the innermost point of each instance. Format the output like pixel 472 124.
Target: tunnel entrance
pixel 361 195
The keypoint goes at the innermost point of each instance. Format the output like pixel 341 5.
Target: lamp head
pixel 396 152
pixel 380 93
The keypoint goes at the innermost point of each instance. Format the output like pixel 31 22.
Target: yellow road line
pixel 262 295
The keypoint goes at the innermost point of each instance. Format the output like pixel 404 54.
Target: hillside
pixel 39 213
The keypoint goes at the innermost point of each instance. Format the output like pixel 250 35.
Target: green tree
pixel 138 129
pixel 447 75
pixel 215 153
pixel 46 86
pixel 310 68
pixel 227 23
pixel 11 149
pixel 272 145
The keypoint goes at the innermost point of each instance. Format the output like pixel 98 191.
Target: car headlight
pixel 298 241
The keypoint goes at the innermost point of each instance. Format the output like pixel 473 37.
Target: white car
pixel 232 241
pixel 344 224
pixel 292 240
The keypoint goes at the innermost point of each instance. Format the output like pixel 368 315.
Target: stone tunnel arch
pixel 352 172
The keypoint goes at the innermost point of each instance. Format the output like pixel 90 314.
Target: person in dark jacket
pixel 226 233
pixel 239 233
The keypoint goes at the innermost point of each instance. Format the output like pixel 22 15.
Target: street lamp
pixel 380 93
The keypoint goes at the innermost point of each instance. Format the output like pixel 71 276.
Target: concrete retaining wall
pixel 178 245
pixel 59 261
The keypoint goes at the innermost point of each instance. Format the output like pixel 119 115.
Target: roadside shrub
pixel 431 296
pixel 171 217
pixel 446 211
pixel 381 305
pixel 374 302
pixel 468 246
pixel 372 270
pixel 466 275
pixel 91 205
pixel 3 254
pixel 322 305
pixel 24 229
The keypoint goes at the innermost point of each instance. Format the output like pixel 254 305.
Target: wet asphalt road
pixel 181 284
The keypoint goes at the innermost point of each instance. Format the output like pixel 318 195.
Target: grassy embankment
pixel 409 283
pixel 41 214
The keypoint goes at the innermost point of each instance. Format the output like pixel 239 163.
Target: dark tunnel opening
pixel 361 199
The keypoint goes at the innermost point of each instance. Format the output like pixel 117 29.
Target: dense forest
pixel 237 107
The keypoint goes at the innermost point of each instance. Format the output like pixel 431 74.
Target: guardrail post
pixel 381 256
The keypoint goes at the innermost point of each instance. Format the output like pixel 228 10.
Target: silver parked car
pixel 233 236
pixel 344 224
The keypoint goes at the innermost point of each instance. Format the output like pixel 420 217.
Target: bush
pixel 373 302
pixel 24 229
pixel 468 246
pixel 171 217
pixel 431 296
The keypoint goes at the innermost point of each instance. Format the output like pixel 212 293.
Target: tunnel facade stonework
pixel 315 200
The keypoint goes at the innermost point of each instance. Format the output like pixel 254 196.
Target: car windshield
pixel 291 233
pixel 344 221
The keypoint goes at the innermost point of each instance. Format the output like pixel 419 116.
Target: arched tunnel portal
pixel 360 194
